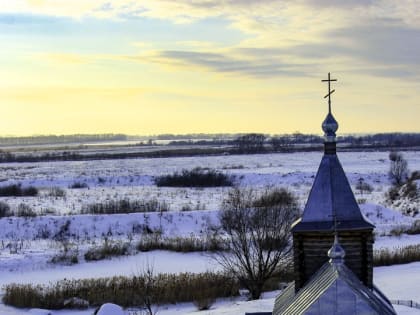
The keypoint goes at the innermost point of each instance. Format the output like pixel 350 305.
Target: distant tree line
pixel 201 142
pixel 258 142
pixel 54 139
pixel 242 143
pixel 194 136
pixel 384 139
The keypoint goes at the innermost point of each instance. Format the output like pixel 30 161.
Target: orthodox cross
pixel 336 223
pixel 329 80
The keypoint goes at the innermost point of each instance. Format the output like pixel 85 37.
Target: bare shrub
pixel 398 170
pixel 78 185
pixel 363 187
pixel 107 250
pixel 204 298
pixel 258 235
pixel 186 207
pixel 4 210
pixel 393 194
pixel 16 190
pixel 125 206
pixel 68 254
pixel 67 257
pixel 415 228
pixel 397 231
pixel 404 197
pixel 409 190
pixel 197 177
pixel 56 192
pixel 23 210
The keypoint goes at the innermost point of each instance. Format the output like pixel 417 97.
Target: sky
pixel 208 66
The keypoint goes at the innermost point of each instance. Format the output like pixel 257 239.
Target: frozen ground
pixel 133 179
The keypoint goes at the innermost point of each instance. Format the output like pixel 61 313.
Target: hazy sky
pixel 183 66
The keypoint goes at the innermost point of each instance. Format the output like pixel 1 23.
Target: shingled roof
pixel 331 195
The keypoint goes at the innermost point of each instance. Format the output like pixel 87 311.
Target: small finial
pixel 336 252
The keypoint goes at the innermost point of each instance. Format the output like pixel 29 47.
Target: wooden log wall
pixel 311 252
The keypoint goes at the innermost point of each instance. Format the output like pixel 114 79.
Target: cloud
pixel 380 47
pixel 320 4
pixel 283 37
pixel 225 63
pixel 385 42
pixel 261 12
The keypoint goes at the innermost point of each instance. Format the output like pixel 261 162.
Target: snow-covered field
pixel 27 244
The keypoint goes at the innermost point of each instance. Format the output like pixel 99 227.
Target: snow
pixel 162 262
pixel 399 282
pixel 133 179
pixel 86 227
pixel 110 309
pixel 385 219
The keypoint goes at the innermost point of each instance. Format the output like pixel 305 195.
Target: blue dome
pixel 329 125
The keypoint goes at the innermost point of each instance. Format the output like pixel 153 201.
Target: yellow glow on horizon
pixel 87 71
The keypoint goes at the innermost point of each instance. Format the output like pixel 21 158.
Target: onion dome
pixel 336 252
pixel 330 126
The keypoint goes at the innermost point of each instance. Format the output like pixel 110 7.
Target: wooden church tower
pixel 331 202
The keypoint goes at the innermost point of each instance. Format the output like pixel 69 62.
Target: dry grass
pixel 124 291
pixel 181 244
pixel 402 255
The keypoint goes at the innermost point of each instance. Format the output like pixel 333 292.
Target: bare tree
pixel 398 170
pixel 363 187
pixel 258 233
pixel 149 289
pixel 250 143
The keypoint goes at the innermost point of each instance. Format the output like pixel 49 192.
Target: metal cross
pixel 329 80
pixel 336 223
